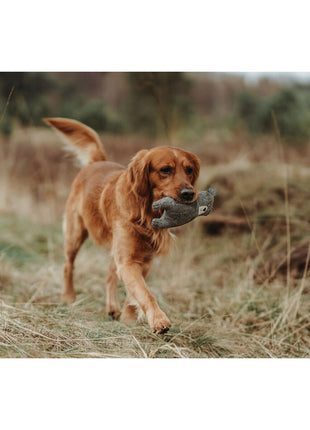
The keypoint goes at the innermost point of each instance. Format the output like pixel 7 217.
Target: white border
pixel 152 394
pixel 166 35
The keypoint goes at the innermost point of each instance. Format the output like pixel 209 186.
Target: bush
pixel 290 107
pixel 95 113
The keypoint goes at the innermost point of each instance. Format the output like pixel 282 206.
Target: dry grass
pixel 207 285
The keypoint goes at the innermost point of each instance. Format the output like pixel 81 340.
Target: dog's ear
pixel 196 167
pixel 138 171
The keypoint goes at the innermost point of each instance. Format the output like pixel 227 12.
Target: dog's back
pixel 93 191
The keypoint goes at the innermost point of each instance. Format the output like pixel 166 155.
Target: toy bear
pixel 177 213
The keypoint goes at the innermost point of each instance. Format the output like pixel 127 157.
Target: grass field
pixel 229 290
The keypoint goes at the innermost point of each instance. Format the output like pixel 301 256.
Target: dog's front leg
pixel 132 275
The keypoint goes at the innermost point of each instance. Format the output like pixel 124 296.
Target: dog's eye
pixel 166 170
pixel 189 170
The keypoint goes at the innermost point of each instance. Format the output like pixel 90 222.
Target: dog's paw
pixel 113 309
pixel 115 314
pixel 160 323
pixel 68 298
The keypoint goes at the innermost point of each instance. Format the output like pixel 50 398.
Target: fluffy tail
pixel 86 143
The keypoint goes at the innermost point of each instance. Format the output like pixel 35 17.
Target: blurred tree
pixel 247 110
pixel 157 102
pixel 154 103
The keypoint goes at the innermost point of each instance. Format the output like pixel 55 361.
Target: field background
pixel 236 283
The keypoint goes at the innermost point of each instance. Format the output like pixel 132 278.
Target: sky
pixel 302 77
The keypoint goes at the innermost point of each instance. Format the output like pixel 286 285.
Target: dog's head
pixel 164 171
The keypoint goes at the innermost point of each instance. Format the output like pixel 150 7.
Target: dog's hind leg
pixel 130 310
pixel 75 234
pixel 113 307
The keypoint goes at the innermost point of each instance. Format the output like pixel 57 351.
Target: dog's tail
pixel 83 140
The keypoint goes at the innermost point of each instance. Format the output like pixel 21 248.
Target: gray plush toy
pixel 176 213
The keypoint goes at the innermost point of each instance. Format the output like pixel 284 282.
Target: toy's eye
pixel 166 170
pixel 189 170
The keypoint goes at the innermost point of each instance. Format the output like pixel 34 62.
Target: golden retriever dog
pixel 113 205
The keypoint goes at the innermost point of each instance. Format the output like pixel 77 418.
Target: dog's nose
pixel 187 194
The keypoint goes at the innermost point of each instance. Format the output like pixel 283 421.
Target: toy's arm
pixel 162 204
pixel 212 191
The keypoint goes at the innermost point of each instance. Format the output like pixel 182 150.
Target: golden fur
pixel 113 205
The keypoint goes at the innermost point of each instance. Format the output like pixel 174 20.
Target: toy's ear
pixel 196 168
pixel 138 171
